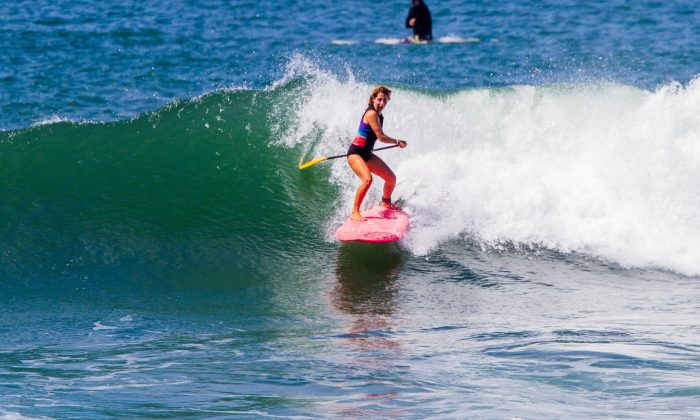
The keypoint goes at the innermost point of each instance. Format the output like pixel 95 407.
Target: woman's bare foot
pixel 357 217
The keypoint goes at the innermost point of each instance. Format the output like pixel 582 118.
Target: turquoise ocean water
pixel 162 256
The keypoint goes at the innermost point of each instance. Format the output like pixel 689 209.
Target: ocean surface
pixel 162 256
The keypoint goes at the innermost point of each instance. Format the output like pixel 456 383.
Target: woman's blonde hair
pixel 376 91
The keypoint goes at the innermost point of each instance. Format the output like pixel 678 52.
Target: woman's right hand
pixel 402 143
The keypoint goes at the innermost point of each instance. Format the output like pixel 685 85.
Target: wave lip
pixel 607 170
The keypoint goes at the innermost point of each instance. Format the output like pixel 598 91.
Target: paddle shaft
pixel 375 150
pixel 322 159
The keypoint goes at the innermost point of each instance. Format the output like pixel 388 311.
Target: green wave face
pixel 197 187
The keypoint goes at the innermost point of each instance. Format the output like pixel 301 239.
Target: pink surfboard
pixel 382 225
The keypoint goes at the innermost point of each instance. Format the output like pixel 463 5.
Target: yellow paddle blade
pixel 312 162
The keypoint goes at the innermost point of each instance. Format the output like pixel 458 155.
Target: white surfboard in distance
pixel 441 40
pixel 408 40
pixel 456 40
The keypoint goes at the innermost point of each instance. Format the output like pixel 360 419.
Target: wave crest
pixel 603 169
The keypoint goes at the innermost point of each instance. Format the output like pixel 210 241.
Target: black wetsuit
pixel 423 27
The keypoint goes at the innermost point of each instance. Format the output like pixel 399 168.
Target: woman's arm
pixel 372 118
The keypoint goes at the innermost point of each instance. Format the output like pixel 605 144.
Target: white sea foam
pixel 344 42
pixel 98 326
pixel 607 170
pixel 51 120
pixel 11 415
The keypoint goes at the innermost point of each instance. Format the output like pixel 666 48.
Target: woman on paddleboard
pixel 360 157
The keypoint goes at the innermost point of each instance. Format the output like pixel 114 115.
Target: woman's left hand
pixel 401 143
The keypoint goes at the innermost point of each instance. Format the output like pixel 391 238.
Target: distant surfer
pixel 360 156
pixel 420 20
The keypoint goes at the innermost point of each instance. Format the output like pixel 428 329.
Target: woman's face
pixel 380 101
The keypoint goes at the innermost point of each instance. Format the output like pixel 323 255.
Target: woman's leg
pixel 377 166
pixel 359 166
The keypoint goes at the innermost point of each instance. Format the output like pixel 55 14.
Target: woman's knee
pixel 366 181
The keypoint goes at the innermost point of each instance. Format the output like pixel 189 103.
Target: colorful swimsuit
pixel 363 144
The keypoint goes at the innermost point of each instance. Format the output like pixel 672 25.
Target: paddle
pixel 321 159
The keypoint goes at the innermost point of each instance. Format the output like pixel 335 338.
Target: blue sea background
pixel 88 61
pixel 161 255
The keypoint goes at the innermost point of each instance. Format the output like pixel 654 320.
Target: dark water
pixel 80 60
pixel 162 256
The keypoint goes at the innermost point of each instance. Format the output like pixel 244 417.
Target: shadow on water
pixel 366 294
pixel 367 275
